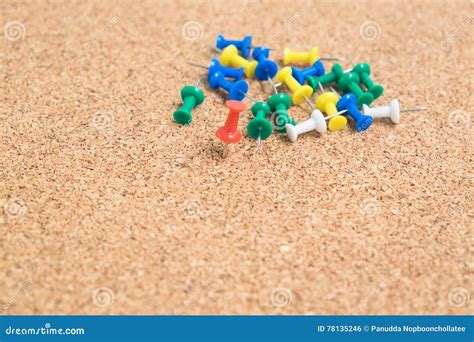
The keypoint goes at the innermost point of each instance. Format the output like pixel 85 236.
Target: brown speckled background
pixel 110 207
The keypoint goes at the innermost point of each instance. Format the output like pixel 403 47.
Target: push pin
pixel 391 111
pixel 350 83
pixel 231 57
pixel 331 77
pixel 266 68
pixel 229 133
pixel 316 123
pixel 363 70
pixel 326 103
pixel 300 92
pixel 192 96
pixel 304 57
pixel 236 90
pixel 316 70
pixel 279 104
pixel 215 66
pixel 348 102
pixel 300 57
pixel 259 128
pixel 243 45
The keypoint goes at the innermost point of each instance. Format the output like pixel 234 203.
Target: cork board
pixel 111 208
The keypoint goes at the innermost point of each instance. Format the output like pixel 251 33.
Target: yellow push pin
pixel 230 57
pixel 300 92
pixel 300 57
pixel 326 103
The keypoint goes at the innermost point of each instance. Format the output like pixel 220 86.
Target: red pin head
pixel 228 133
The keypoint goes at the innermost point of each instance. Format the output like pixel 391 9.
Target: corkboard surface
pixel 110 207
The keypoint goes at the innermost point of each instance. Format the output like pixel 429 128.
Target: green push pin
pixel 363 70
pixel 349 83
pixel 279 104
pixel 259 127
pixel 331 77
pixel 192 96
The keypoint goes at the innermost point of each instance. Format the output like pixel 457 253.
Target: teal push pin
pixel 259 127
pixel 349 83
pixel 192 96
pixel 279 104
pixel 363 70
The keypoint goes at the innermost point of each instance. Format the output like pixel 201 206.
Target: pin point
pixel 331 77
pixel 215 66
pixel 363 70
pixel 326 103
pixel 229 133
pixel 231 57
pixel 300 92
pixel 391 111
pixel 243 45
pixel 316 70
pixel 236 90
pixel 266 68
pixel 192 96
pixel 259 127
pixel 279 104
pixel 348 102
pixel 315 123
pixel 350 83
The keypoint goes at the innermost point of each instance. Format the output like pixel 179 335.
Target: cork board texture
pixel 109 207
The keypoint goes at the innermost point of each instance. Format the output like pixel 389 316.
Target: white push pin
pixel 392 111
pixel 316 122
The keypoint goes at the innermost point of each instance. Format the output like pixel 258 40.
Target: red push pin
pixel 228 133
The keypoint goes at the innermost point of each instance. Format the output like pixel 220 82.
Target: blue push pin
pixel 243 45
pixel 236 90
pixel 215 66
pixel 266 68
pixel 348 102
pixel 316 70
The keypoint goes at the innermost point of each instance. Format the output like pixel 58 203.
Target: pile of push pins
pixel 329 110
